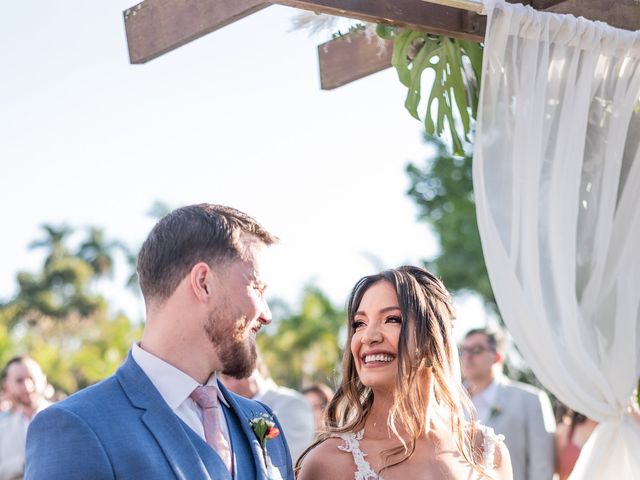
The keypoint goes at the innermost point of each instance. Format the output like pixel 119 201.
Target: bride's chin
pixel 378 384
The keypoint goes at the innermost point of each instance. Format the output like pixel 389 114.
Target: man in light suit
pixel 23 384
pixel 292 408
pixel 164 414
pixel 520 412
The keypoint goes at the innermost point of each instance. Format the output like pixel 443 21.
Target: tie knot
pixel 206 396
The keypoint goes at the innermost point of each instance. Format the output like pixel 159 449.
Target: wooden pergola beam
pixel 342 62
pixel 155 27
pixel 623 14
pixel 350 57
pixel 414 14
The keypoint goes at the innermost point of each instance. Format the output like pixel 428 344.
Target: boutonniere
pixel 495 411
pixel 265 429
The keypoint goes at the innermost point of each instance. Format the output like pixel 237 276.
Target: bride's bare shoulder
pixel 326 460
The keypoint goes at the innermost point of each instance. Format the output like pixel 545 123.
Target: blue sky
pixel 236 117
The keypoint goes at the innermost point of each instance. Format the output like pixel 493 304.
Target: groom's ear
pixel 201 281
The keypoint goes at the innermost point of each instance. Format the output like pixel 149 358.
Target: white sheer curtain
pixel 557 185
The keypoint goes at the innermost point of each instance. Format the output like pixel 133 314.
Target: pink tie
pixel 207 399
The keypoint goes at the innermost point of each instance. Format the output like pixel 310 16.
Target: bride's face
pixel 376 333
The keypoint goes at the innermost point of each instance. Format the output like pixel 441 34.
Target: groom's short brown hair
pixel 196 233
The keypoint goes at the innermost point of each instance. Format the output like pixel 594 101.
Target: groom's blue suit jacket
pixel 121 428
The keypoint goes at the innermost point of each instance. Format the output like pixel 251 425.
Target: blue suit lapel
pixel 163 424
pixel 256 449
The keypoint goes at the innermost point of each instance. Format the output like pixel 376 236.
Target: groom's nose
pixel 265 316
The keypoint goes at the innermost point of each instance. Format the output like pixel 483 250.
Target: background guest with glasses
pixel 521 412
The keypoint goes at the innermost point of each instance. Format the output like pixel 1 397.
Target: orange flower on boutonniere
pixel 265 429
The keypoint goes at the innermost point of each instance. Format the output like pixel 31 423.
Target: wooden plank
pixel 543 4
pixel 414 14
pixel 478 7
pixel 619 13
pixel 471 5
pixel 342 62
pixel 423 15
pixel 350 57
pixel 155 27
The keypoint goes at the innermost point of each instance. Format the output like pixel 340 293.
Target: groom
pixel 164 414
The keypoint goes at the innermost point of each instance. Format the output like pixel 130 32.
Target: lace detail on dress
pixel 489 441
pixel 364 471
pixel 352 445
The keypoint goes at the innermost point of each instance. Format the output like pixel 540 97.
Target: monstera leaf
pixel 456 67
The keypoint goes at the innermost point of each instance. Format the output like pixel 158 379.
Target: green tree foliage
pixel 6 346
pixel 58 318
pixel 443 191
pixel 305 347
pixel 61 289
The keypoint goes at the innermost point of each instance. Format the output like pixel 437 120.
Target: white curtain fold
pixel 557 187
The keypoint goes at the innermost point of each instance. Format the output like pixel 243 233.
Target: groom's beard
pixel 236 351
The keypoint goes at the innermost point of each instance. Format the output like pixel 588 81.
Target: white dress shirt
pixel 175 387
pixel 484 401
pixel 13 435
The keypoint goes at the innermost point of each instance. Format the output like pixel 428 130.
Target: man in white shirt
pixel 23 384
pixel 521 412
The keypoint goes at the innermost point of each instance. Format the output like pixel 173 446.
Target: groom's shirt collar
pixel 174 385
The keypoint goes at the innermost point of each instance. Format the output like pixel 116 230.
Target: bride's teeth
pixel 378 358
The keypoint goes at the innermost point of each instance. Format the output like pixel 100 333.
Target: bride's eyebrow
pixel 390 309
pixel 393 308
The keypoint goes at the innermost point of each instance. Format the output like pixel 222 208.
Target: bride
pixel 398 413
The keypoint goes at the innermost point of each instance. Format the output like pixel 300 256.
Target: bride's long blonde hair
pixel 425 342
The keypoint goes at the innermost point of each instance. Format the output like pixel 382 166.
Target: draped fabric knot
pixel 206 397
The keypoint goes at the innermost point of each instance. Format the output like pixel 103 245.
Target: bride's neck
pixel 376 425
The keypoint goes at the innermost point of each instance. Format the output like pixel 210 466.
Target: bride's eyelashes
pixel 356 324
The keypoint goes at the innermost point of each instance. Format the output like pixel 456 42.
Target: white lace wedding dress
pixel 365 472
